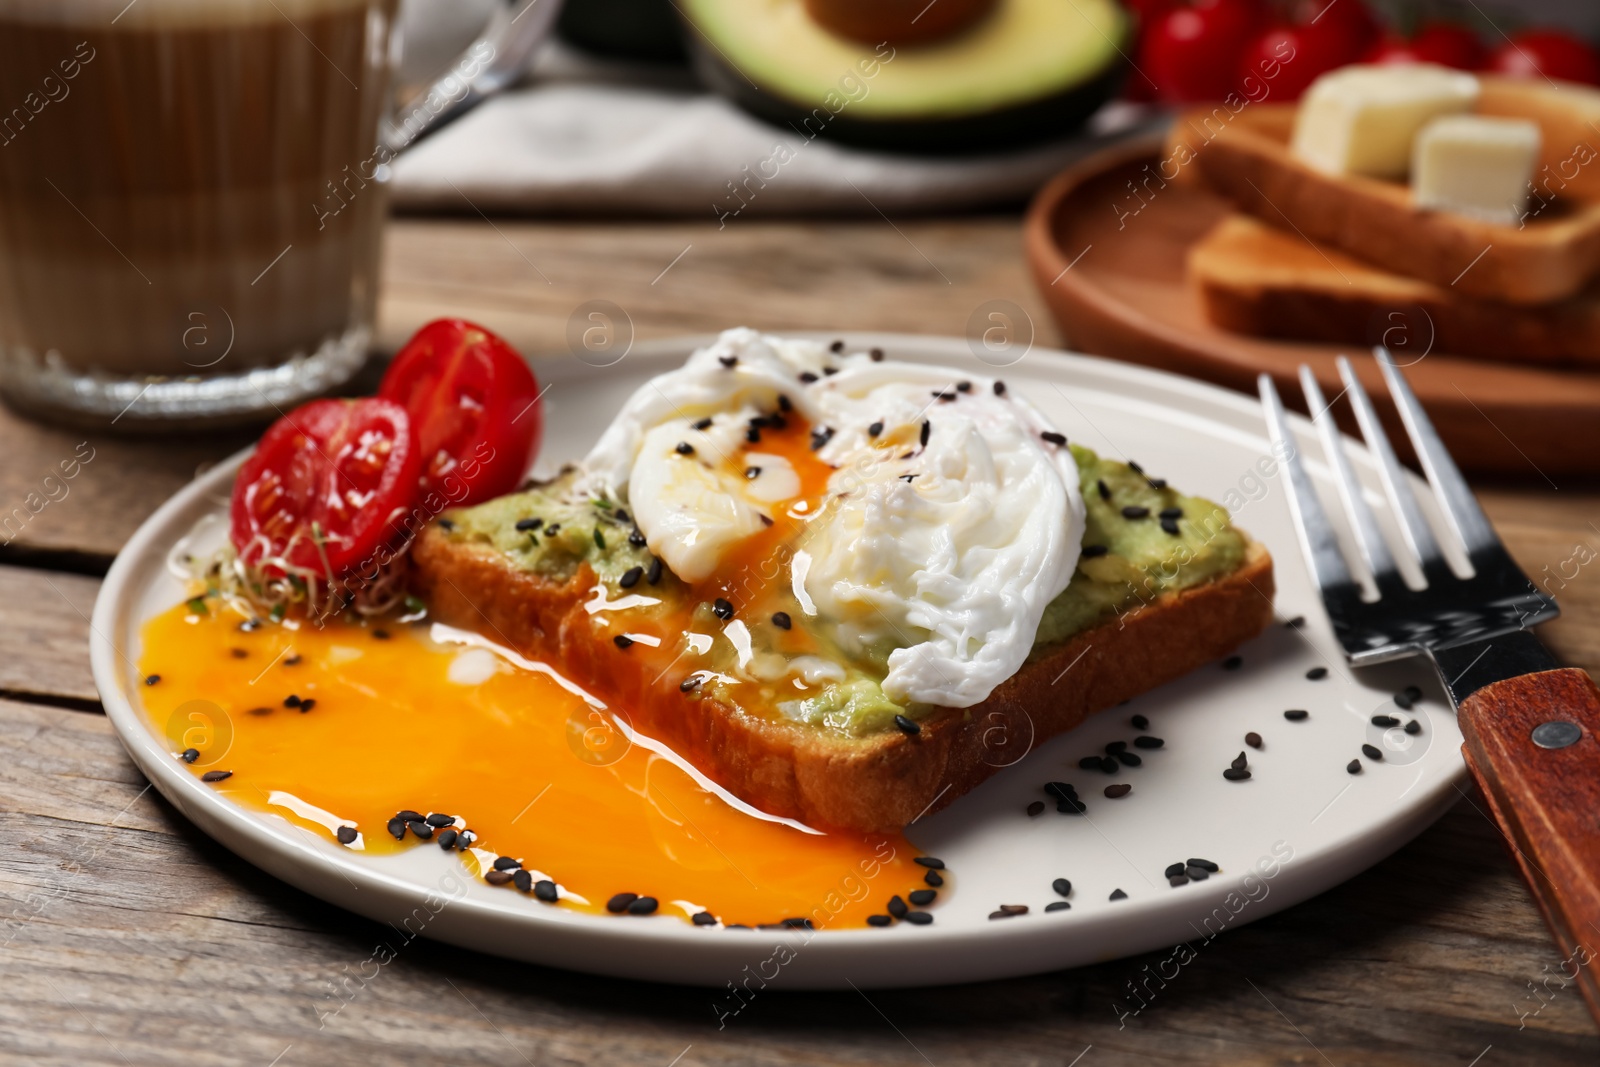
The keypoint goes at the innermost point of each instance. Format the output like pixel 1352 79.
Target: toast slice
pixel 1552 255
pixel 875 782
pixel 1266 282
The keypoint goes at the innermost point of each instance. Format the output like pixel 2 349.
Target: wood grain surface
pixel 131 938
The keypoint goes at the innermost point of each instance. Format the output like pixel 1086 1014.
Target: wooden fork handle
pixel 1547 800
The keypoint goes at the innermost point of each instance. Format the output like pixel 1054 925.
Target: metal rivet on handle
pixel 1557 734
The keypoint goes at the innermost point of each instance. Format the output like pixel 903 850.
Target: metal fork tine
pixel 1369 539
pixel 1328 567
pixel 1459 505
pixel 1413 526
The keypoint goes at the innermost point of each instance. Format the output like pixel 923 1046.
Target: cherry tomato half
pixel 328 485
pixel 476 408
pixel 1549 54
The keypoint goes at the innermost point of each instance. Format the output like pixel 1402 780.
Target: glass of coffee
pixel 192 195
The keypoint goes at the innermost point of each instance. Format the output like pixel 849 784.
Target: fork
pixel 1529 725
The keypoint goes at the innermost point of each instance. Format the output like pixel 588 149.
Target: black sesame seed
pixel 1071 806
pixel 1156 483
pixel 781 620
pixel 446 525
pixel 1090 763
pixel 1414 693
pixel 1128 759
pixel 1173 870
pixel 1372 752
pixel 1205 865
pixel 1057 905
pixel 837 346
pixel 1062 887
pixel 1094 551
pixel 410 816
pixel 999 388
pixel 933 863
pixel 1354 766
pixel 1177 880
pixel 1170 526
pixel 553 529
pixel 922 897
pixel 1236 774
pixel 1108 764
pixel 703 918
pixel 152 679
pixel 875 429
pixel 447 839
pixel 622 641
pixel 907 725
pixel 753 435
pixel 1385 720
pixel 1240 762
pixel 728 361
pixel 876 355
pixel 238 653
pixel 189 755
pixel 396 828
pixel 653 574
pixel 1413 727
pixel 1060 790
pixel 685 448
pixel 1117 894
pixel 1148 742
pixel 636 538
pixel 1403 701
pixel 1054 438
pixel 701 424
pixel 766 520
pixel 545 890
pixel 945 395
pixel 897 907
pixel 919 918
pixel 1135 511
pixel 934 878
pixel 466 839
pixel 644 906
pixel 752 472
pixel 345 834
pixel 441 820
pixel 1316 674
pixel 1296 714
pixel 1296 622
pixel 1007 911
pixel 821 437
pixel 630 577
pixel 879 920
pixel 497 877
pixel 927 431
pixel 1036 808
pixel 1196 873
pixel 807 377
pixel 1121 789
pixel 721 608
pixel 689 684
pixel 1140 723
pixel 1252 739
pixel 522 880
pixel 784 403
pixel 421 829
pixel 215 776
pixel 291 701
pixel 1171 513
pixel 619 903
pixel 307 704
pixel 1113 747
pixel 524 525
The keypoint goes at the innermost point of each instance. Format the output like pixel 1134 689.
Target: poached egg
pixel 948 520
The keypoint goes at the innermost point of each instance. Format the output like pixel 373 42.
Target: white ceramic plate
pixel 1299 826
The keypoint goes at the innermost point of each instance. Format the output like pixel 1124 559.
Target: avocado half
pixel 1028 71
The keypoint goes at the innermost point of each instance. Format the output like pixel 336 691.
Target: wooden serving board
pixel 1107 240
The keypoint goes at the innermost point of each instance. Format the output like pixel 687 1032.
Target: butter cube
pixel 1475 166
pixel 1362 119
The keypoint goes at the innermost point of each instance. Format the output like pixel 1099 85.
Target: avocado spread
pixel 1142 540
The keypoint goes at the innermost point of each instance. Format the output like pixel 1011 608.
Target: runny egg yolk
pixel 398 721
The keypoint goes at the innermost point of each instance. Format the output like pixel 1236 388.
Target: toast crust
pixel 877 784
pixel 1246 158
pixel 1259 280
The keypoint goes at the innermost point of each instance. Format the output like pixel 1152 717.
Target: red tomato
pixel 476 407
pixel 327 486
pixel 1287 59
pixel 1349 25
pixel 1145 13
pixel 1438 42
pixel 1193 53
pixel 1549 54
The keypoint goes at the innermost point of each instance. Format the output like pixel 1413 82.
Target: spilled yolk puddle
pixel 399 720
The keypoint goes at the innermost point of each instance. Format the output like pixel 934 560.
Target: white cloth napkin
pixel 584 136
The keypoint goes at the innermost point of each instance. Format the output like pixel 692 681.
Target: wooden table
pixel 132 938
